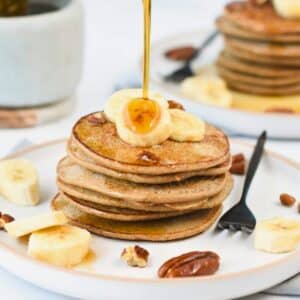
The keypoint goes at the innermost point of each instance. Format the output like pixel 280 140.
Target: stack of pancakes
pixel 164 192
pixel 262 50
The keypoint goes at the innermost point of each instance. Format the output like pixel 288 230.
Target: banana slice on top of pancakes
pixel 146 122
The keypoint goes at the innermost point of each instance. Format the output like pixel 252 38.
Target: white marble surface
pixel 113 45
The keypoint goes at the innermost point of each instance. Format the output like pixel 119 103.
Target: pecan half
pixel 148 157
pixel 4 219
pixel 287 200
pixel 238 166
pixel 135 256
pixel 97 119
pixel 175 105
pixel 181 53
pixel 194 263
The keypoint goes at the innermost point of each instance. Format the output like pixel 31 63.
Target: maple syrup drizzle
pixel 147 34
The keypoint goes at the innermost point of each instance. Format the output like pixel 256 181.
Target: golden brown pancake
pixel 238 77
pixel 263 90
pixel 174 228
pixel 115 213
pixel 98 198
pixel 256 69
pixel 267 60
pixel 264 49
pixel 260 18
pixel 89 163
pixel 188 190
pixel 230 29
pixel 102 144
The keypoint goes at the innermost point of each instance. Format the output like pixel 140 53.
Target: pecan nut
pixel 175 105
pixel 4 219
pixel 196 263
pixel 238 166
pixel 135 256
pixel 287 200
pixel 97 118
pixel 181 53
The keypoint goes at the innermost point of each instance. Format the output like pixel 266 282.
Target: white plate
pixel 237 121
pixel 243 270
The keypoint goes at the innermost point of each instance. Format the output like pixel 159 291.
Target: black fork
pixel 186 70
pixel 240 217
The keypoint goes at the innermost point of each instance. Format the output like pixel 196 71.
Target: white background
pixel 113 46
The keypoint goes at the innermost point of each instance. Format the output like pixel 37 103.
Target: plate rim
pixel 160 84
pixel 74 272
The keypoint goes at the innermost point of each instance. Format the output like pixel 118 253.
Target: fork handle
pixel 254 162
pixel 204 44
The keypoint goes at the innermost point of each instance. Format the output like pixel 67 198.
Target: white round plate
pixel 236 121
pixel 243 270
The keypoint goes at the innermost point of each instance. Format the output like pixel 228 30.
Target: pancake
pixel 157 230
pixel 115 213
pixel 263 90
pixel 265 49
pixel 98 198
pixel 238 77
pixel 252 58
pixel 230 29
pixel 256 69
pixel 89 163
pixel 101 143
pixel 188 190
pixel 260 18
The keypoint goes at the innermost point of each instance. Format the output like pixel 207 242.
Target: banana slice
pixel 116 102
pixel 207 89
pixel 144 122
pixel 277 235
pixel 19 182
pixel 186 127
pixel 63 246
pixel 287 8
pixel 26 226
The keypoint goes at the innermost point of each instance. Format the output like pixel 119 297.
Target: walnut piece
pixel 196 263
pixel 4 219
pixel 135 256
pixel 287 200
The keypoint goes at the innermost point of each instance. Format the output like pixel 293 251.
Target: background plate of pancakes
pixel 108 277
pixel 260 67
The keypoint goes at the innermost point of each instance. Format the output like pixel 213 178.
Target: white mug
pixel 41 55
